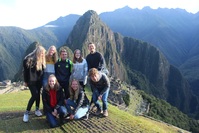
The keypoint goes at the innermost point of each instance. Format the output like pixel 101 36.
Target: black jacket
pixel 102 85
pixel 82 100
pixel 95 60
pixel 46 100
pixel 31 75
pixel 63 70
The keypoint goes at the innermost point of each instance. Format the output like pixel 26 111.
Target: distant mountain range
pixel 139 47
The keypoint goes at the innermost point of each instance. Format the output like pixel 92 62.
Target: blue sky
pixel 29 14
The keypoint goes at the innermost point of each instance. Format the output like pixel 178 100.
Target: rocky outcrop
pixel 89 28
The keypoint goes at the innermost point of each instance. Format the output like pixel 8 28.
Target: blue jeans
pixel 52 119
pixel 80 112
pixel 104 99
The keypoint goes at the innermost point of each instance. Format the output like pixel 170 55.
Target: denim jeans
pixel 35 96
pixel 80 112
pixel 104 99
pixel 52 119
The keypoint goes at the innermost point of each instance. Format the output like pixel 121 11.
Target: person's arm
pixel 80 101
pixel 88 63
pixel 92 86
pixel 71 66
pixel 25 72
pixel 85 72
pixel 46 102
pixel 60 98
pixel 101 62
pixel 106 84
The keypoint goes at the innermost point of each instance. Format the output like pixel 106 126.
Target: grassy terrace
pixel 13 105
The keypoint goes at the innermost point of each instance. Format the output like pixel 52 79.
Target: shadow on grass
pixel 12 122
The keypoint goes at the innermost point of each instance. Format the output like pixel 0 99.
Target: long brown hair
pixel 55 55
pixel 56 83
pixel 80 58
pixel 35 58
pixel 74 94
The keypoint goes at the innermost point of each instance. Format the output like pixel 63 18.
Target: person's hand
pixel 71 117
pixel 99 97
pixel 55 113
pixel 65 101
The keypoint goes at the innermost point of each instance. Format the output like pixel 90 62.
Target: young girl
pixel 34 65
pixel 53 100
pixel 51 58
pixel 78 100
pixel 80 68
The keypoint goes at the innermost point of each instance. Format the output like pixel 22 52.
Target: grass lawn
pixel 13 105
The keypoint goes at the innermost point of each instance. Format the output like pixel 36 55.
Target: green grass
pixel 13 105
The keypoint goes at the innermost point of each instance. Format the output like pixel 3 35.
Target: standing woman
pixel 51 58
pixel 34 65
pixel 80 68
pixel 78 101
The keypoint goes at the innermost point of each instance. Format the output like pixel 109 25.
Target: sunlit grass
pixel 14 102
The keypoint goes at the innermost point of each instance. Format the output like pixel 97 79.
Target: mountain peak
pixel 91 16
pixel 90 13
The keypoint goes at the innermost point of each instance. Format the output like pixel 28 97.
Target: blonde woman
pixel 51 59
pixel 34 65
pixel 78 100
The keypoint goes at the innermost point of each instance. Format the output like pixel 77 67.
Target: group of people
pixel 62 81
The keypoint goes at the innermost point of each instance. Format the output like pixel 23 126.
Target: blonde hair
pixel 92 72
pixel 75 59
pixel 56 83
pixel 54 57
pixel 36 58
pixel 74 94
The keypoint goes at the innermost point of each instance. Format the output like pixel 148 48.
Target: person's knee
pixel 77 116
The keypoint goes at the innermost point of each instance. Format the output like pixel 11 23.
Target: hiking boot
pixel 61 121
pixel 86 116
pixel 105 113
pixel 38 113
pixel 25 117
pixel 98 112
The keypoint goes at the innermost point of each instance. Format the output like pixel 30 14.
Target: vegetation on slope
pixel 161 110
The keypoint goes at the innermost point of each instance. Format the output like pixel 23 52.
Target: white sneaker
pixel 38 113
pixel 25 117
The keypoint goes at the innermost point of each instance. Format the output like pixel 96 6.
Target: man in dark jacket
pixel 63 69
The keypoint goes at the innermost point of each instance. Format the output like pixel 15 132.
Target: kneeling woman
pixel 78 101
pixel 53 102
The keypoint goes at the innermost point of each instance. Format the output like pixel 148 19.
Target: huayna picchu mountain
pixel 134 61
